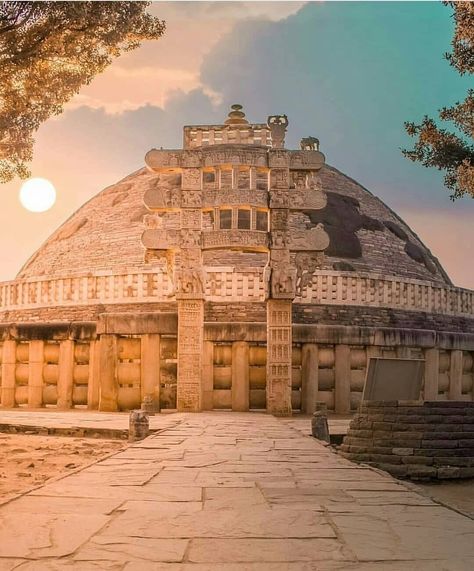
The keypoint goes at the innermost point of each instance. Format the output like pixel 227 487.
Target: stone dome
pixel 365 235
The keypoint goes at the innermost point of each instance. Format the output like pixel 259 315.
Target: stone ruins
pixel 231 274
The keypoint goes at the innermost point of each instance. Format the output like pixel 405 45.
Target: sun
pixel 37 194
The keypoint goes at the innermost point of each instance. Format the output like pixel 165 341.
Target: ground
pixel 28 460
pixel 231 492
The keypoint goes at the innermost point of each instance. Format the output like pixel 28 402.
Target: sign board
pixel 393 379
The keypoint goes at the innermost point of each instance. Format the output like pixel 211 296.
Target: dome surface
pixel 365 235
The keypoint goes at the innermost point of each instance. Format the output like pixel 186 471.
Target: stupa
pixel 231 274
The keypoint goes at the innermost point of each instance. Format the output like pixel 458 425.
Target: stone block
pixel 453 461
pixel 386 426
pixel 385 458
pixel 448 404
pixel 439 444
pixel 402 451
pixel 448 472
pixel 397 470
pixel 421 472
pixel 424 460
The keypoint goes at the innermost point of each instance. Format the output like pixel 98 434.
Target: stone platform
pixel 77 422
pixel 231 492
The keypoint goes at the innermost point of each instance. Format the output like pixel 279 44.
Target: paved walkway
pixel 231 492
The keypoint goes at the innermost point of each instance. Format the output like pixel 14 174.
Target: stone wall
pixel 433 440
pixel 380 317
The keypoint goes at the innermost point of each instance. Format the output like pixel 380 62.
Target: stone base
pixel 431 440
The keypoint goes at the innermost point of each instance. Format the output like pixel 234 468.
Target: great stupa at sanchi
pixel 233 274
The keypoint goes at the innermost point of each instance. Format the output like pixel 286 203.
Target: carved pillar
pixel 35 376
pixel 279 345
pixel 189 286
pixel 282 292
pixel 190 346
pixel 8 373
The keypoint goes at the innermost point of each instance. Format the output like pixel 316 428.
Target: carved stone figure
pixel 309 144
pixel 283 282
pixel 189 281
pixel 278 125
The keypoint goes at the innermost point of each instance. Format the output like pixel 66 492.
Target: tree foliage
pixel 48 51
pixel 452 150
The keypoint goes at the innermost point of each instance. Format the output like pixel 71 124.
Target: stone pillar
pixel 235 178
pixel 66 373
pixel 35 376
pixel 150 369
pixel 190 346
pixel 309 374
pixel 253 178
pixel 342 372
pixel 207 374
pixel 430 390
pixel 108 393
pixel 455 376
pixel 93 387
pixel 8 373
pixel 279 348
pixel 240 376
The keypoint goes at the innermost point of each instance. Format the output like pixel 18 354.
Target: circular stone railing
pixel 225 284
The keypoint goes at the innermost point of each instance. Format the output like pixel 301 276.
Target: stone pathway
pixel 231 492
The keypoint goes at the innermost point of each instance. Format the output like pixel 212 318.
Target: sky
pixel 349 73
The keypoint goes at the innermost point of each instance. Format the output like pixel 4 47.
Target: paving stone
pixel 238 492
pixel 46 535
pixel 265 550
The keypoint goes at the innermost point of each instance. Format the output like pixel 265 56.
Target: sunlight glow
pixel 37 195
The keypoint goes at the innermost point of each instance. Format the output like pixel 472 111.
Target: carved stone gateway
pixel 239 189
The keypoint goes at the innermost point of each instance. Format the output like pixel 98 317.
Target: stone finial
pixel 278 125
pixel 236 116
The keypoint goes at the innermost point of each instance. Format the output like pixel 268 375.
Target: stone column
pixel 66 373
pixel 240 376
pixel 455 376
pixel 207 374
pixel 279 349
pixel 35 376
pixel 309 374
pixel 93 386
pixel 150 368
pixel 253 178
pixel 190 346
pixel 108 394
pixel 430 390
pixel 8 373
pixel 342 372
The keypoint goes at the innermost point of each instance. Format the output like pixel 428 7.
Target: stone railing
pixel 85 290
pixel 344 288
pixel 225 284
